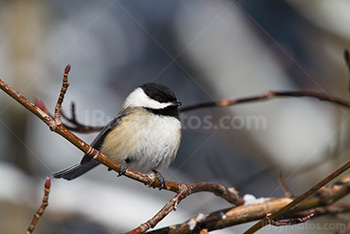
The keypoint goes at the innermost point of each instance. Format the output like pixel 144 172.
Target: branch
pixel 64 88
pixel 246 213
pixel 275 94
pixel 331 210
pixel 288 193
pixel 268 96
pixel 289 222
pixel 42 208
pixel 78 127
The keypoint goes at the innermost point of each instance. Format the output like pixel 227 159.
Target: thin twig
pixel 269 95
pixel 77 127
pixel 284 186
pixel 331 210
pixel 274 94
pixel 42 208
pixel 65 84
pixel 289 222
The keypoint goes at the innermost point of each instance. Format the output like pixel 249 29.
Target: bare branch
pixel 42 208
pixel 284 186
pixel 289 222
pixel 63 91
pixel 77 127
pixel 268 96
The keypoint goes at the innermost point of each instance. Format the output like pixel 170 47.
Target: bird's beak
pixel 177 103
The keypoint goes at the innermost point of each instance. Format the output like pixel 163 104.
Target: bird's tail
pixel 76 170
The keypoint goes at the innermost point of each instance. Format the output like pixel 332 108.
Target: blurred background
pixel 202 50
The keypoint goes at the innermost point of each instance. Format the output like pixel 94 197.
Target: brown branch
pixel 42 208
pixel 289 222
pixel 59 112
pixel 273 94
pixel 320 203
pixel 63 91
pixel 77 127
pixel 269 95
pixel 331 210
pixel 284 186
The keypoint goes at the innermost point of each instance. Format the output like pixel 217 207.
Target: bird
pixel 144 136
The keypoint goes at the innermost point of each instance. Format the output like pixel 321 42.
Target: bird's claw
pixel 160 178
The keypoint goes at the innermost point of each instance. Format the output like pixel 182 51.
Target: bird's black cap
pixel 160 93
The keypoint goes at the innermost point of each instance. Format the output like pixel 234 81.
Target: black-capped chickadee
pixel 144 136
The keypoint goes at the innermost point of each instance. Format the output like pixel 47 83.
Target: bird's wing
pixel 97 143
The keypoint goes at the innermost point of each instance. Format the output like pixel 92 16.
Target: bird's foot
pixel 123 167
pixel 160 178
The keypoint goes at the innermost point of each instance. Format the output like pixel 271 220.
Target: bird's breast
pixel 147 141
